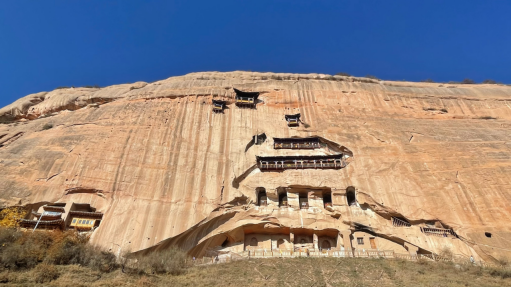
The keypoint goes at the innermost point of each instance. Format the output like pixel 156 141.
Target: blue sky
pixel 46 44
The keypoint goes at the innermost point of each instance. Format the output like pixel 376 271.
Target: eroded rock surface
pixel 164 169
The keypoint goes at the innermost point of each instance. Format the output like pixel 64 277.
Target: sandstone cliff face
pixel 165 169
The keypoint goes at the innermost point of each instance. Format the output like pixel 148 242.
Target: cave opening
pixel 262 200
pixel 283 199
pixel 304 200
pixel 487 234
pixel 327 199
pixel 350 195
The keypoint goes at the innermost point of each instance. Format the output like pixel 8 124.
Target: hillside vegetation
pixel 66 259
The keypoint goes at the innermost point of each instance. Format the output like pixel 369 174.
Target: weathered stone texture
pixel 163 161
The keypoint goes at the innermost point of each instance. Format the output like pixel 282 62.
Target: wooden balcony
pixel 438 232
pixel 26 223
pixel 92 215
pixel 54 208
pixel 302 166
pixel 396 222
pixel 296 146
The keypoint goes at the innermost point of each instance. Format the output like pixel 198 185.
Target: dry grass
pixel 281 272
pixel 27 250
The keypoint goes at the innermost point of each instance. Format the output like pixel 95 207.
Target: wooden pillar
pixel 412 249
pixel 315 241
pixel 346 240
pixel 292 241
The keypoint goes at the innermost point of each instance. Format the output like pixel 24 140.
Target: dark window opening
pixel 283 199
pixel 302 241
pixel 360 241
pixel 350 194
pixel 327 199
pixel 292 120
pixel 487 234
pixel 262 200
pixel 218 106
pixel 304 201
pixel 253 242
pixel 259 139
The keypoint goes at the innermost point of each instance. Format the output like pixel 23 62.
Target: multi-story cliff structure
pixel 228 162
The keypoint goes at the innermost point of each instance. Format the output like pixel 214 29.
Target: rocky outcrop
pixel 164 169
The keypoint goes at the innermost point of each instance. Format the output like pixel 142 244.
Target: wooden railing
pixel 286 253
pixel 301 166
pixel 438 232
pixel 400 223
pixel 54 208
pixel 296 145
pixel 245 100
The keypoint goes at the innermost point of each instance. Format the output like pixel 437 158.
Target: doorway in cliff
pixel 326 245
pixel 351 196
pixel 262 200
pixel 327 199
pixel 253 242
pixel 304 200
pixel 283 198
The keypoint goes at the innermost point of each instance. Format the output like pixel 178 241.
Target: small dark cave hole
pixel 487 234
pixel 226 242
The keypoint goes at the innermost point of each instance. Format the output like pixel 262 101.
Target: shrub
pixel 446 252
pixel 453 82
pixel 502 272
pixel 94 86
pixel 171 261
pixel 503 261
pixel 468 81
pixel 45 273
pixel 62 87
pixel 47 126
pixel 10 216
pixel 8 235
pixel 343 74
pixel 372 77
pixel 489 81
pixel 26 250
pixel 428 81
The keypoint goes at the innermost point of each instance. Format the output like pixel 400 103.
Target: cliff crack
pixel 383 141
pixel 49 178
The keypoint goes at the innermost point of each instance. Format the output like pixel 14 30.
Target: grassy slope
pixel 281 272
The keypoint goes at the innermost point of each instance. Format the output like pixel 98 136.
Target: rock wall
pixel 164 168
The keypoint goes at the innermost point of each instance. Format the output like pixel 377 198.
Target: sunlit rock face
pixel 165 170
